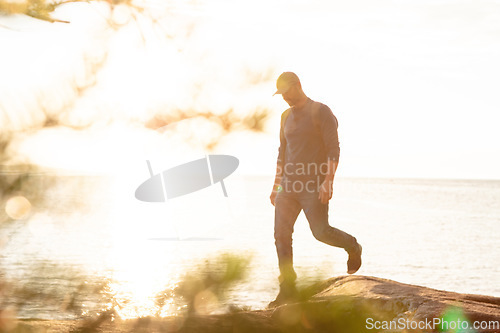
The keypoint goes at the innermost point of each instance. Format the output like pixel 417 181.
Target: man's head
pixel 289 88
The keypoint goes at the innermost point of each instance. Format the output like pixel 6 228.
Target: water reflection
pixel 84 251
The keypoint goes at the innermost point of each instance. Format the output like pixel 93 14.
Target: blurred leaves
pixel 60 108
pixel 205 287
pixel 224 122
pixel 38 9
pixel 41 9
pixel 227 120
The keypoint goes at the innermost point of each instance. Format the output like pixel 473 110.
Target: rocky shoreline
pixel 342 304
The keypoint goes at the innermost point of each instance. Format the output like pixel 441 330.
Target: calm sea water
pixel 437 233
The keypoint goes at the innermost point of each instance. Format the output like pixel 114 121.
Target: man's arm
pixel 326 189
pixel 328 126
pixel 281 159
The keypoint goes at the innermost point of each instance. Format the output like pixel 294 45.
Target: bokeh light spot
pixel 18 207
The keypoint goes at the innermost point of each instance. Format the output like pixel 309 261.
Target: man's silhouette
pixel 307 161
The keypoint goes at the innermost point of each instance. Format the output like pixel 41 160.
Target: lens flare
pixel 18 207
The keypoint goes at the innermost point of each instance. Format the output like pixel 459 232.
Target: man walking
pixel 307 161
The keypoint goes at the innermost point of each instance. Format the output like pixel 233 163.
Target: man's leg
pixel 317 216
pixel 287 208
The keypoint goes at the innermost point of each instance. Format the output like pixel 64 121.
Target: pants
pixel 287 208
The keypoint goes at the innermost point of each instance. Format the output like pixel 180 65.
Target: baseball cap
pixel 285 81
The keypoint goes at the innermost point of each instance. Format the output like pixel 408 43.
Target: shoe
pixel 354 261
pixel 286 295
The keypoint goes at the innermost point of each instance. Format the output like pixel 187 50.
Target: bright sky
pixel 415 84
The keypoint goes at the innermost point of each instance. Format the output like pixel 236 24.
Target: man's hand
pixel 325 191
pixel 273 196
